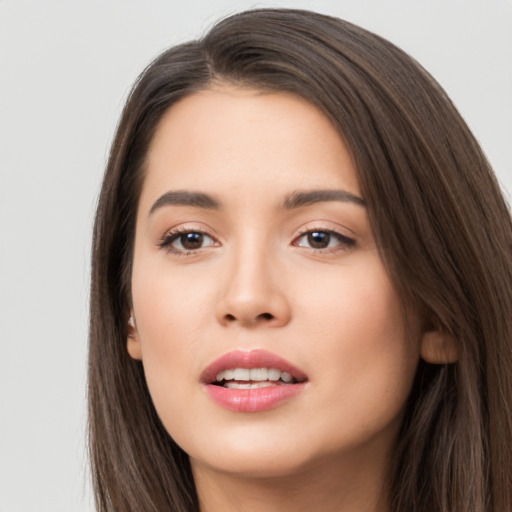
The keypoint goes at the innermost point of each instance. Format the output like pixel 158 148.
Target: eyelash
pixel 172 236
pixel 345 242
pixel 175 234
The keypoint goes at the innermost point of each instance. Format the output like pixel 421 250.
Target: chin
pixel 258 455
pixel 254 466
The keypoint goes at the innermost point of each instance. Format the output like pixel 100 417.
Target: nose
pixel 252 294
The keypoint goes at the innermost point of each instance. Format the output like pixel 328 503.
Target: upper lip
pixel 250 359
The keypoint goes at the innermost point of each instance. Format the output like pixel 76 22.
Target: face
pixel 253 251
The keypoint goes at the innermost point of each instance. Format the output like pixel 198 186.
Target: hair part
pixel 442 226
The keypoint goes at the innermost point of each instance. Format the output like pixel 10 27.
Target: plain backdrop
pixel 65 70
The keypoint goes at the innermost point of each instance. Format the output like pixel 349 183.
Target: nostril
pixel 262 318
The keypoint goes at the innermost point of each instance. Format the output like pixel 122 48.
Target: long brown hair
pixel 442 226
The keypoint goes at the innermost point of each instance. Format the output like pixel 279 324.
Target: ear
pixel 133 342
pixel 438 347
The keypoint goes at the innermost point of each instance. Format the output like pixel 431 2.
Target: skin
pixel 257 283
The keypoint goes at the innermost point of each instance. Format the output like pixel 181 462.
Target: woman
pixel 301 284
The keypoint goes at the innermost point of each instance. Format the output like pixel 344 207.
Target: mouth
pixel 253 378
pixel 253 381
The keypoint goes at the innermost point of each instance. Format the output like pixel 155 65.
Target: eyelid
pixel 172 234
pixel 345 242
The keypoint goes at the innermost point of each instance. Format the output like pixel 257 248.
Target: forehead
pixel 229 139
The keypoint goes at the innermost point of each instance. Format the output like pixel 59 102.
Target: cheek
pixel 358 306
pixel 368 361
pixel 168 314
pixel 170 311
pixel 168 303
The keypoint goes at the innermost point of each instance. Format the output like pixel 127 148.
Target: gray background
pixel 65 70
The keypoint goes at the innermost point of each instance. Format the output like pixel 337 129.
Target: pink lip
pixel 252 400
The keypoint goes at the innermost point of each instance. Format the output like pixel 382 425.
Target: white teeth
pixel 225 375
pixel 273 374
pixel 286 377
pixel 242 374
pixel 254 385
pixel 236 385
pixel 256 375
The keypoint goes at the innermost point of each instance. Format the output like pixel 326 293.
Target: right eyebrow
pixel 186 198
pixel 308 197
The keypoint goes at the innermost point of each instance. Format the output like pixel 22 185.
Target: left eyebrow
pixel 186 198
pixel 308 197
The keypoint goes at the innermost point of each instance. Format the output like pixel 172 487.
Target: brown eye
pixel 324 239
pixel 191 241
pixel 187 241
pixel 319 239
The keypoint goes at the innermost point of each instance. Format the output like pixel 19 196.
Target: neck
pixel 330 486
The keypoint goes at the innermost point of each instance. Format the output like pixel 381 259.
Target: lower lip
pixel 253 400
